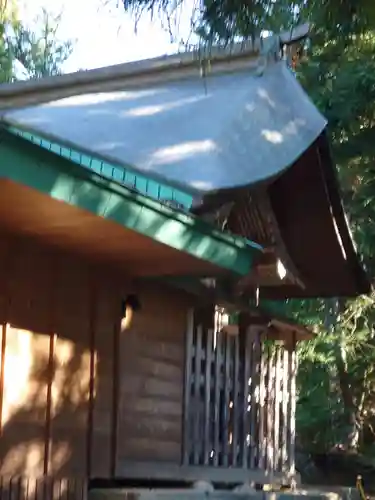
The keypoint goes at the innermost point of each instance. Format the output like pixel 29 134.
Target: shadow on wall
pixel 56 379
pixel 60 352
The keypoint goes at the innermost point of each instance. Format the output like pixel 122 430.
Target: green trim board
pixel 63 180
pixel 118 173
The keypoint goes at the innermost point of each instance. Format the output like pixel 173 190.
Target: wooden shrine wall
pixel 240 400
pixel 152 377
pixel 77 399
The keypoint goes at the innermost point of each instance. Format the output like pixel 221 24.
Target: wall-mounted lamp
pixel 129 306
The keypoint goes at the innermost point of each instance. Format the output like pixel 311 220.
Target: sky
pixel 104 34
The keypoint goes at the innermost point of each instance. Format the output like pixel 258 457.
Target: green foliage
pixel 38 52
pixel 339 75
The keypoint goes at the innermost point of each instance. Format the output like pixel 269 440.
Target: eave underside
pixel 46 197
pixel 299 219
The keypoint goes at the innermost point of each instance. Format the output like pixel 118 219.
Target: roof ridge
pixel 233 57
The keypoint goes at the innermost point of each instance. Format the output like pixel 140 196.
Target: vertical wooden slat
pixel 187 387
pixel 285 406
pixel 236 401
pixel 293 369
pixel 207 398
pixel 39 489
pixel 276 410
pixel 48 488
pixel 22 492
pixel 224 434
pixel 57 489
pixel 15 490
pixel 218 381
pixel 270 406
pixel 48 431
pixel 226 386
pixel 6 270
pixel 71 489
pixel 26 488
pixel 64 489
pixel 262 412
pixel 247 363
pixel 197 441
pixel 90 416
pixel 4 488
pixel 277 390
pixel 116 395
pixel 255 401
pixel 3 332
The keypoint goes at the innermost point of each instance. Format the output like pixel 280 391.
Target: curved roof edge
pixel 333 191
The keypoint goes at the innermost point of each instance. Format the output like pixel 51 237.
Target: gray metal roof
pixel 199 134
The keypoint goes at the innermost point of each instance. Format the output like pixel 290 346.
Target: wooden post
pixel 255 401
pixel 236 404
pixel 197 441
pixel 217 387
pixel 270 408
pixel 293 373
pixel 227 387
pixel 207 398
pixel 262 409
pixel 276 444
pixel 285 413
pixel 247 390
pixel 187 387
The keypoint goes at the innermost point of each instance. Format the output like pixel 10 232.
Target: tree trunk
pixel 352 438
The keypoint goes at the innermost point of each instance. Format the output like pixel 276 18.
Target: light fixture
pixel 129 306
pixel 281 271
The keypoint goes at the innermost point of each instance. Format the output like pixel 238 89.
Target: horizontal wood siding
pixel 77 397
pixel 151 379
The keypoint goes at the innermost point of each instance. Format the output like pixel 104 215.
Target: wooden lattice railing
pixel 239 400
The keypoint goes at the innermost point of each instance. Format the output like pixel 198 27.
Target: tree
pixel 220 20
pixel 7 18
pixel 40 52
pixel 37 52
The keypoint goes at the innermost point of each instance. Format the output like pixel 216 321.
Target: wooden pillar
pixel 293 396
pixel 187 387
pixel 277 402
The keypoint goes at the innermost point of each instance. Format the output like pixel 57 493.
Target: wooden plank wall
pixel 240 400
pixel 56 378
pixel 77 399
pixel 42 488
pixel 152 372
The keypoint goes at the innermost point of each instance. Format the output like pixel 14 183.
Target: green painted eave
pixel 28 164
pixel 122 174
